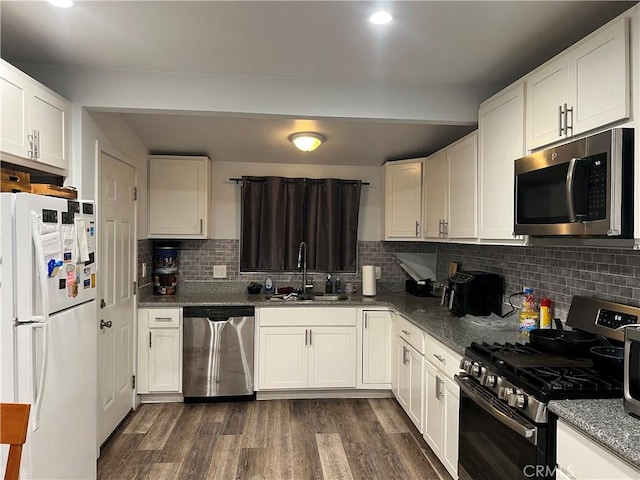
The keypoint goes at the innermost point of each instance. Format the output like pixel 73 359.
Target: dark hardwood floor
pixel 269 439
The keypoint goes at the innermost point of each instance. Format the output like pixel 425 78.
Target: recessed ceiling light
pixel 62 3
pixel 380 18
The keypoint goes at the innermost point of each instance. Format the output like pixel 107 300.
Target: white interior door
pixel 116 299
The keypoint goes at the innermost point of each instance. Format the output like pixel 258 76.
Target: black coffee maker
pixel 473 293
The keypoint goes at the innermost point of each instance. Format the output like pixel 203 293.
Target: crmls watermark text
pixel 539 471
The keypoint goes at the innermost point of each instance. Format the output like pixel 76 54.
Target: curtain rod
pixel 239 180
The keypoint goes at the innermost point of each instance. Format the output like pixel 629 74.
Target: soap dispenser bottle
pixel 328 286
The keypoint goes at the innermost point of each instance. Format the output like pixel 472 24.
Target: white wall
pixel 225 216
pixel 111 129
pixel 138 90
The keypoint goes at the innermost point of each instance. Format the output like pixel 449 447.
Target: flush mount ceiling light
pixel 307 141
pixel 62 3
pixel 380 18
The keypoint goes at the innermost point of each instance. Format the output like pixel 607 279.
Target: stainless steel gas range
pixel 506 430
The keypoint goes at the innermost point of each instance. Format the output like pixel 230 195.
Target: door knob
pixel 105 324
pixel 102 303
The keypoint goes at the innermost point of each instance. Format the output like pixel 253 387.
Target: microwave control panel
pixel 614 320
pixel 597 188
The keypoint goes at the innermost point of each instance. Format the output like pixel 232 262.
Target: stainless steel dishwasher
pixel 217 352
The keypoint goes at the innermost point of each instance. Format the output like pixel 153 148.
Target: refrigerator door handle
pixel 44 360
pixel 42 269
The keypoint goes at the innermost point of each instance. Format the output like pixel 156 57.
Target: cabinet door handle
pixel 31 150
pixel 439 227
pixel 439 382
pixel 406 332
pixel 439 357
pixel 310 337
pixel 417 229
pixel 149 340
pixel 568 126
pixel 404 355
pixel 446 228
pixel 200 225
pixel 365 321
pixel 560 117
pixel 163 319
pixel 306 337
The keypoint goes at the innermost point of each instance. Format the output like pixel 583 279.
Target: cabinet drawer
pixel 412 334
pixel 442 357
pixel 164 318
pixel 307 316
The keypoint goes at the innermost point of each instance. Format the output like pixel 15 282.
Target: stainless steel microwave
pixel 583 188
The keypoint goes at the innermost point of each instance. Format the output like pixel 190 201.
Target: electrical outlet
pixel 219 271
pixel 144 269
pixel 378 273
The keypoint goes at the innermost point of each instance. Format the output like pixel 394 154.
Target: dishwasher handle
pixel 217 314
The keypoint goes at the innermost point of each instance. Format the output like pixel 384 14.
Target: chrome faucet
pixel 302 263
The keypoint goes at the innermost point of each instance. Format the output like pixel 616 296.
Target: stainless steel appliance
pixel 632 371
pixel 506 431
pixel 582 188
pixel 473 293
pixel 217 352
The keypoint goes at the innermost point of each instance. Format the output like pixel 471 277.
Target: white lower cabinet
pixel 442 402
pixel 159 350
pixel 579 457
pixel 410 392
pixel 376 330
pixel 317 353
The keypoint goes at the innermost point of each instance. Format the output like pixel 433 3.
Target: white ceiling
pixel 482 46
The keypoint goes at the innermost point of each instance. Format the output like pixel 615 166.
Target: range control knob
pixel 505 393
pixel 489 381
pixel 464 364
pixel 475 369
pixel 517 400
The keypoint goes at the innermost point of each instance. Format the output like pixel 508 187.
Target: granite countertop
pixel 602 420
pixel 606 422
pixel 425 312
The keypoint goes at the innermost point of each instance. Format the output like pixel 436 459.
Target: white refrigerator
pixel 48 330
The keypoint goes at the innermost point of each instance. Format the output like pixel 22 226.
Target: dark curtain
pixel 323 213
pixel 272 223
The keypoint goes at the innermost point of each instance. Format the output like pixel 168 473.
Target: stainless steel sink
pixel 310 297
pixel 330 298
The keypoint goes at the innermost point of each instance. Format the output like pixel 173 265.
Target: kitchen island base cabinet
pixel 159 350
pixel 580 458
pixel 306 348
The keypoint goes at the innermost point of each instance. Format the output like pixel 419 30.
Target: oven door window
pixel 491 450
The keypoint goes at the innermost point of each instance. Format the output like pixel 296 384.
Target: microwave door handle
pixel 569 189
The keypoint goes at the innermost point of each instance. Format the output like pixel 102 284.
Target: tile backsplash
pixel 554 272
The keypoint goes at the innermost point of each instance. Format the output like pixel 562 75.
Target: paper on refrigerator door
pixel 50 239
pixel 69 242
pixel 81 237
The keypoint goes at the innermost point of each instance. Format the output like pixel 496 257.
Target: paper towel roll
pixel 369 281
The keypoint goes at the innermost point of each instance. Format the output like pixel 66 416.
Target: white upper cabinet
pixel 403 200
pixel 462 161
pixel 435 195
pixel 35 122
pixel 178 197
pixel 450 191
pixel 500 143
pixel 582 89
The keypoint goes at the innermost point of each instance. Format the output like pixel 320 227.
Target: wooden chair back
pixel 14 421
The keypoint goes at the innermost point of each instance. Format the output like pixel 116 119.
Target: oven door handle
pixel 526 431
